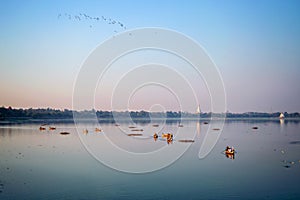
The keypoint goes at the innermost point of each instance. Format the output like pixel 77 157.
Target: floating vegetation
pixel 295 142
pixel 137 130
pixel 64 133
pixel 98 130
pixel 288 163
pixel 85 131
pixel 1 187
pixel 42 128
pixel 135 134
pixel 186 140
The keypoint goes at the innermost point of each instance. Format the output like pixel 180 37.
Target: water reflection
pixel 45 161
pixel 169 140
pixel 230 156
pixel 198 128
pixel 281 122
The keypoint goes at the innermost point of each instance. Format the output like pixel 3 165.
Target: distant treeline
pixel 49 113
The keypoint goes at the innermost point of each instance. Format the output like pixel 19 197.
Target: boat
pixel 230 152
pixel 52 128
pixel 167 135
pixel 155 135
pixel 42 128
pixel 281 116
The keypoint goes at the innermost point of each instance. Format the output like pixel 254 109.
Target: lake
pixel 44 164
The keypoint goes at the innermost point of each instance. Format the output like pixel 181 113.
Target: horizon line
pixel 142 110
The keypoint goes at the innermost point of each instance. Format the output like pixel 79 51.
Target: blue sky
pixel 255 44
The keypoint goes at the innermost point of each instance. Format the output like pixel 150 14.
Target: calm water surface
pixel 38 164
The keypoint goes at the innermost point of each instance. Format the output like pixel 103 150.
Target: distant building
pixel 198 111
pixel 281 116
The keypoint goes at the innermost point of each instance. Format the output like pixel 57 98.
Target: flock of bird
pixel 85 17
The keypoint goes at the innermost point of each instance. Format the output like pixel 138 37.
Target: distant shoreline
pixel 11 114
pixel 204 121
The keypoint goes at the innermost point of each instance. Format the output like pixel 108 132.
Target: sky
pixel 254 44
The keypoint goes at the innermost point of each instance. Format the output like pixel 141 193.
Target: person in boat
pixel 167 135
pixel 229 149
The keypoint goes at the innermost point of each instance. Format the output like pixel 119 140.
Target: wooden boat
pixel 230 152
pixel 42 128
pixel 52 128
pixel 167 135
pixel 155 135
pixel 155 125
